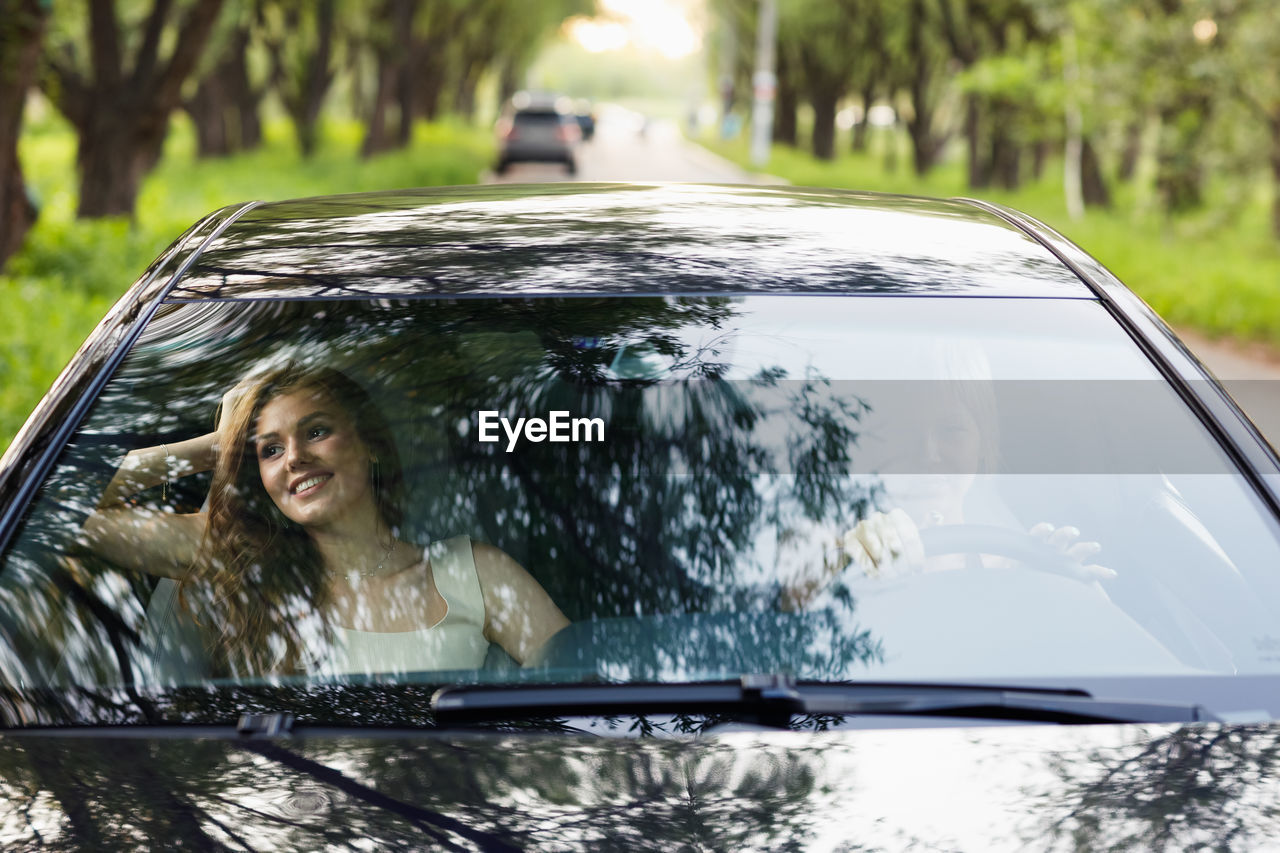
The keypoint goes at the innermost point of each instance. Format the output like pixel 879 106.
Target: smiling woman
pixel 298 555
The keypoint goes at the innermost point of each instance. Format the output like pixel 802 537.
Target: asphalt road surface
pixel 1250 374
pixel 626 147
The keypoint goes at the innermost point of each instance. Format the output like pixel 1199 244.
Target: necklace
pixel 377 570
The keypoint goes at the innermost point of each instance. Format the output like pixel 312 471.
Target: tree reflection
pixel 620 240
pixel 1209 787
pixel 445 793
pixel 666 516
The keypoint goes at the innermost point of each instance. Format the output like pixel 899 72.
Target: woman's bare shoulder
pixel 493 561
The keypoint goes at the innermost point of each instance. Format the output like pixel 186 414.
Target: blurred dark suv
pixel 538 134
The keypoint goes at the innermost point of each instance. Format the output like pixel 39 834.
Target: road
pixel 1251 375
pixel 626 148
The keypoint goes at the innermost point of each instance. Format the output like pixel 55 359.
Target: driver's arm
pixel 879 544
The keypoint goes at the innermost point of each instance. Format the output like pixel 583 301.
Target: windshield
pixel 638 489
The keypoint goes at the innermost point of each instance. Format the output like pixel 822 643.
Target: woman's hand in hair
pixel 230 400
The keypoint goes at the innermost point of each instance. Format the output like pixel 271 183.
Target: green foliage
pixel 69 272
pixel 1212 274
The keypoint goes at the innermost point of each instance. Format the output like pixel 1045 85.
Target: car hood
pixel 986 787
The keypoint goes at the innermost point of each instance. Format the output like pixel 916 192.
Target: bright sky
pixel 662 25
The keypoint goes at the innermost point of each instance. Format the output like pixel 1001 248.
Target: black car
pixel 797 519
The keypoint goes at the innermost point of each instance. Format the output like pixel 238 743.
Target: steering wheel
pixel 1001 542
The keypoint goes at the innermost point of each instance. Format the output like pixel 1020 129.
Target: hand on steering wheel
pixel 1066 540
pixel 1044 547
pixel 885 545
pixel 888 544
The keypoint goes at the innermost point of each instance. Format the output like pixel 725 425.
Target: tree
pixel 224 107
pixel 991 40
pixel 824 50
pixel 785 128
pixel 392 45
pixel 22 25
pixel 437 27
pixel 817 31
pixel 301 37
pixel 525 33
pixel 871 60
pixel 1249 42
pixel 120 102
pixel 920 67
pixel 1167 74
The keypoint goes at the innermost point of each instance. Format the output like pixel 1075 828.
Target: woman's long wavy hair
pixel 262 572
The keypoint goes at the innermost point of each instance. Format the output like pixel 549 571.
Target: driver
pixel 942 438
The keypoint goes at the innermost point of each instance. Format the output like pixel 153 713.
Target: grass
pixel 69 272
pixel 1216 272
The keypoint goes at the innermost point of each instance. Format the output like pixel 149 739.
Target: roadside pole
pixel 764 84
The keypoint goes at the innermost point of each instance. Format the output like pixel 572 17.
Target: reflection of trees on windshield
pixel 1206 787
pixel 447 793
pixel 619 240
pixel 661 516
pixel 665 516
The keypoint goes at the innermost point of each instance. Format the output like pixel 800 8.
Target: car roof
pixel 622 239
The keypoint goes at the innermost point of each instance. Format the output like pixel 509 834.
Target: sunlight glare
pixel 598 36
pixel 661 25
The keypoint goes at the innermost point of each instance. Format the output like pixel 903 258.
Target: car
pixel 538 130
pixel 866 521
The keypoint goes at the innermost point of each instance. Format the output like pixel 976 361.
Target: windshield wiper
pixel 772 700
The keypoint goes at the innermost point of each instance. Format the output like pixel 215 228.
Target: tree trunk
pixel 21 32
pixel 121 110
pixel 305 107
pixel 508 84
pixel 464 102
pixel 1275 176
pixel 860 130
pixel 979 170
pixel 1093 183
pixel 1006 153
pixel 1131 150
pixel 925 144
pixel 430 74
pixel 1040 158
pixel 375 132
pixel 785 130
pixel 824 123
pixel 375 137
pixel 394 82
pixel 208 109
pixel 243 99
pixel 114 155
pixel 406 97
pixel 1006 162
pixel 1179 169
